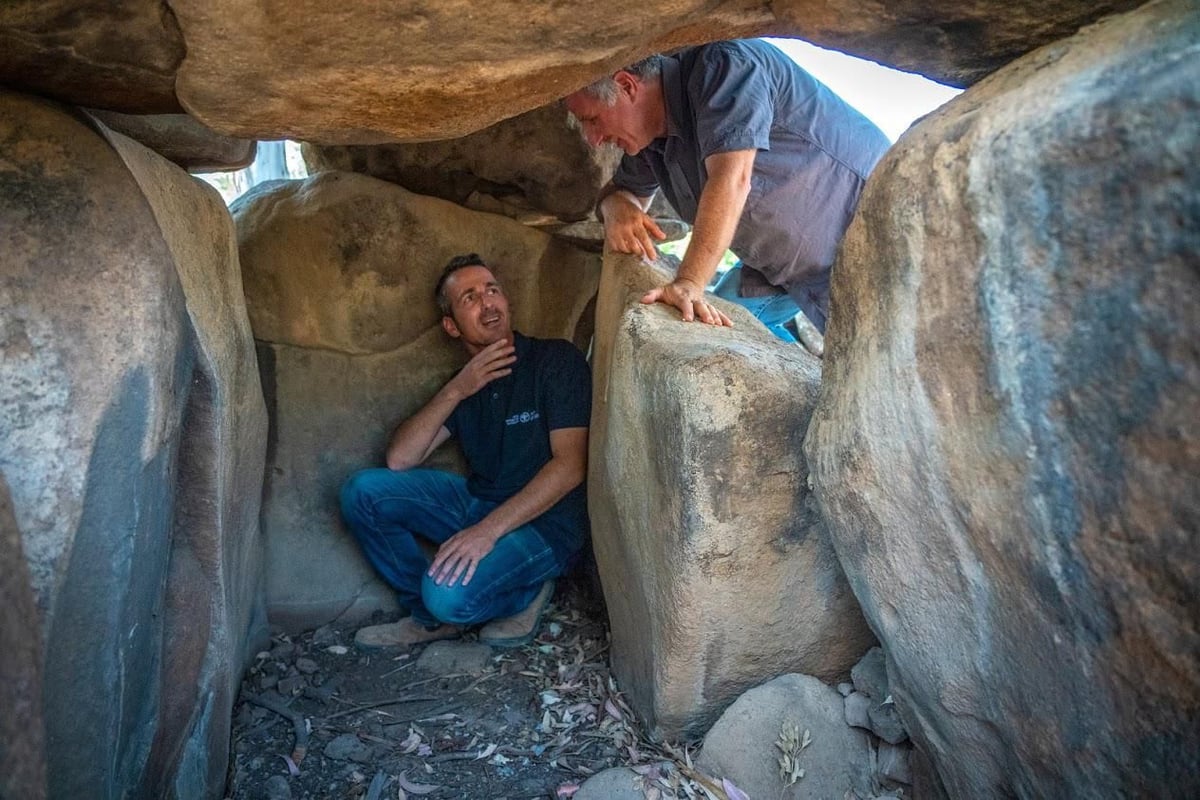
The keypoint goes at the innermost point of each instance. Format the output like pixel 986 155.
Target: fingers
pixel 690 309
pixel 652 296
pixel 655 231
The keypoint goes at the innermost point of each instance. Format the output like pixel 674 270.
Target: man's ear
pixel 627 82
pixel 449 326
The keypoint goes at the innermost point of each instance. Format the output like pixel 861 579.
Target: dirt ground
pixel 531 722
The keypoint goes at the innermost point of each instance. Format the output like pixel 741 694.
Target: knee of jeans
pixel 355 497
pixel 454 605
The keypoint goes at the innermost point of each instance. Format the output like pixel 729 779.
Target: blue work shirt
pixel 815 152
pixel 504 430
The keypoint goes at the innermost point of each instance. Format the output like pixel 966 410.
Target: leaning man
pixel 757 154
pixel 520 410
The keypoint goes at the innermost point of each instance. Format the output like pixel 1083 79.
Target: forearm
pixel 416 436
pixel 717 215
pixel 551 483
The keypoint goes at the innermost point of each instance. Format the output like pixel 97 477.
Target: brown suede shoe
pixel 404 633
pixel 520 628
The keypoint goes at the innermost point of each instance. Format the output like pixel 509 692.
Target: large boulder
pixel 794 717
pixel 537 160
pixel 339 275
pixel 22 731
pixel 133 443
pixel 354 73
pixel 717 573
pixel 1007 444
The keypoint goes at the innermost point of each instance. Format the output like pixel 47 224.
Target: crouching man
pixel 520 409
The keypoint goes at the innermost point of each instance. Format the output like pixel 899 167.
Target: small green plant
pixel 790 745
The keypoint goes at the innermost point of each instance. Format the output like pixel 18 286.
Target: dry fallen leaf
pixel 732 791
pixel 415 788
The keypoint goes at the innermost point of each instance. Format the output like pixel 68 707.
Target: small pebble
pixel 845 689
pixel 306 665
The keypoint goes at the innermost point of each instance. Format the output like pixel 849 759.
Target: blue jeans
pixel 386 509
pixel 773 310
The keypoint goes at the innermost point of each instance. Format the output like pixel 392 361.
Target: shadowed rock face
pixel 355 73
pixel 134 435
pixel 182 140
pixel 1007 443
pixel 339 275
pixel 717 573
pixel 537 160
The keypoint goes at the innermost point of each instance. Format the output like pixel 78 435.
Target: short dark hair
pixel 455 264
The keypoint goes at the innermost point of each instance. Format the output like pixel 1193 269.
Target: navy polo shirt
pixel 504 430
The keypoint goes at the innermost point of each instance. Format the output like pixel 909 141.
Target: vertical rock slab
pixel 339 276
pixel 1007 442
pixel 717 573
pixel 129 436
pixel 22 732
pixel 215 609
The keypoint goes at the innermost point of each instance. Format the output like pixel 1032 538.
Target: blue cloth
pixel 385 508
pixel 773 310
pixel 504 430
pixel 814 154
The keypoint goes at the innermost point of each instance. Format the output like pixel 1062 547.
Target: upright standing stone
pixel 717 573
pixel 1007 442
pixel 133 438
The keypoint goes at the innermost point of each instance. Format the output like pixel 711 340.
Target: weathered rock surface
pixel 115 54
pixel 410 71
pixel 536 160
pixel 182 140
pixel 1007 444
pixel 716 571
pixel 339 272
pixel 22 734
pixel 134 437
pixel 741 745
pixel 616 783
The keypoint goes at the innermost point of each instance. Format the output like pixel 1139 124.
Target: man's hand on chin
pixel 689 299
pixel 492 362
pixel 460 555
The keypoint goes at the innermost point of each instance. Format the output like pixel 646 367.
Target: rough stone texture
pixel 182 140
pixel 741 745
pixel 445 658
pixel 537 160
pixel 133 445
pixel 615 783
pixel 339 272
pixel 716 571
pixel 1006 446
pixel 858 710
pixel 886 722
pixel 355 73
pixel 892 763
pixel 117 54
pixel 22 734
pixel 870 675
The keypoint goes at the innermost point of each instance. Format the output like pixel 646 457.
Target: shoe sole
pixel 517 641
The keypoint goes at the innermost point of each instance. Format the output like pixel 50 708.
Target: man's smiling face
pixel 478 308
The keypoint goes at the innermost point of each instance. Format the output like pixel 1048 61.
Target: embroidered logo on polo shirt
pixel 523 417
